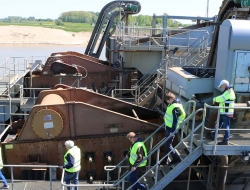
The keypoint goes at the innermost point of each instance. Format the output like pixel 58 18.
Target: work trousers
pixel 133 177
pixel 71 176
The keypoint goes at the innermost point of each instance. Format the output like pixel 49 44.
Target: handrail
pixel 144 84
pixel 187 50
pixel 108 168
pixel 147 75
pixel 157 148
pixel 30 166
pixel 162 142
pixel 195 48
pixel 136 33
pixel 83 185
pixel 216 129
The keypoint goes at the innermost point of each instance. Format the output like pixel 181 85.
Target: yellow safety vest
pixel 133 153
pixel 168 117
pixel 76 153
pixel 226 100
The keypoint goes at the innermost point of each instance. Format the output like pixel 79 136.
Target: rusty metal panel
pixel 106 102
pixel 81 119
pixel 90 65
pixel 52 151
pixel 96 78
pixel 81 56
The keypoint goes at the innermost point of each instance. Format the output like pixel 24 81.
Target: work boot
pixel 223 143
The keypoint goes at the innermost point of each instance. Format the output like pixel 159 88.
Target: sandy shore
pixel 40 35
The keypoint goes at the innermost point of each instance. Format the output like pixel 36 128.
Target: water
pixel 38 50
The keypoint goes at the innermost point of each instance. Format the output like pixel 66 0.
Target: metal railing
pixel 156 150
pixel 217 127
pixel 121 179
pixel 98 185
pixel 29 167
pixel 141 85
pixel 11 71
pixel 200 48
pixel 130 36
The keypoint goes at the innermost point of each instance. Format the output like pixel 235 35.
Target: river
pixel 20 50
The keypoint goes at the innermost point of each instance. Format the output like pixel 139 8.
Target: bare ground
pixel 40 35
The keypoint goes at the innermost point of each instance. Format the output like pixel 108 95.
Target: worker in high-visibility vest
pixel 136 154
pixel 72 163
pixel 174 116
pixel 225 100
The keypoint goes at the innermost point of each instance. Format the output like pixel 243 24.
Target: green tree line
pixel 91 17
pixel 79 16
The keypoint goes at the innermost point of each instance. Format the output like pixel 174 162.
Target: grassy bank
pixel 67 26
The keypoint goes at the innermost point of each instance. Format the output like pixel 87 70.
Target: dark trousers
pixel 133 177
pixel 169 147
pixel 224 123
pixel 71 176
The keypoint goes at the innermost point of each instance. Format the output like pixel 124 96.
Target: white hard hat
pixel 223 82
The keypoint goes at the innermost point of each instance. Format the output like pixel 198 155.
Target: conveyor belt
pixel 103 16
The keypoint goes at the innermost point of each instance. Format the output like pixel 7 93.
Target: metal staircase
pixel 188 153
pixel 148 94
pixel 146 87
pixel 158 176
pixel 197 55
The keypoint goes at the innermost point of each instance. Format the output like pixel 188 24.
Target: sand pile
pixel 40 35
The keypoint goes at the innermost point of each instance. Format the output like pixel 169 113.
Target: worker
pixel 225 100
pixel 174 116
pixel 136 154
pixel 72 163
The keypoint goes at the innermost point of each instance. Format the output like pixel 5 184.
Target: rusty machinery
pixel 98 124
pixel 74 69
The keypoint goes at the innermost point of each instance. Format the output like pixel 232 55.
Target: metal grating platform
pixel 238 142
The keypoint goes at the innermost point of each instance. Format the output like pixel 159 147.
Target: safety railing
pixel 200 48
pixel 148 79
pixel 20 101
pixel 121 179
pixel 14 181
pixel 11 71
pixel 130 36
pixel 156 150
pixel 32 59
pixel 217 127
pixel 149 74
pixel 99 186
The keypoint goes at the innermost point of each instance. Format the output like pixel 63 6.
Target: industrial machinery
pixel 96 103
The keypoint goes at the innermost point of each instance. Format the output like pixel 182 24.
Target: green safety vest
pixel 76 153
pixel 133 153
pixel 226 100
pixel 168 117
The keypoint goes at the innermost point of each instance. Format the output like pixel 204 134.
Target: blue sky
pixel 53 8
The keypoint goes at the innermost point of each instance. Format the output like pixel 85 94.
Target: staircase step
pixel 164 169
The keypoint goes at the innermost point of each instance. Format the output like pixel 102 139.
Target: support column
pixel 222 174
